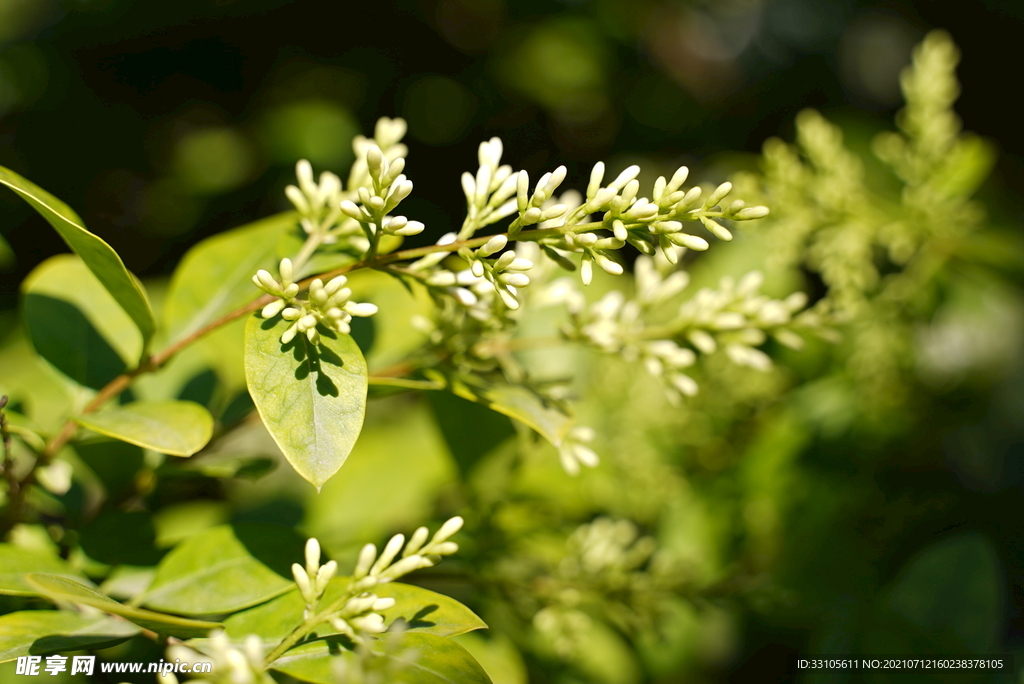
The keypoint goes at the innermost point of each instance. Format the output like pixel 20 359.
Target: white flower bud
pixel 372 623
pixel 361 309
pixel 493 246
pixel 522 191
pixel 296 197
pixel 587 270
pixel 504 261
pixel 693 242
pixel 751 213
pixel 324 575
pixel 515 279
pixel 366 558
pixel 477 269
pixel 383 604
pixel 312 556
pixel 416 541
pixel 519 264
pixel 508 299
pixel 391 550
pixel 411 228
pixel 302 580
pixel 628 174
pixel 596 176
pixel 351 209
pixel 717 229
pixel 273 308
pixel 719 194
pixel 448 529
pixel 678 178
pixel 608 266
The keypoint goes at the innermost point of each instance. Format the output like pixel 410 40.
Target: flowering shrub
pixel 101 423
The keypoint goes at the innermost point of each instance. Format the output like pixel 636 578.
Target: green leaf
pixel 226 568
pixel 100 257
pixel 423 611
pixel 427 612
pixel 16 562
pixel 41 632
pixel 215 276
pixel 179 428
pixel 523 404
pixel 63 589
pixel 311 398
pixel 76 325
pixel 439 661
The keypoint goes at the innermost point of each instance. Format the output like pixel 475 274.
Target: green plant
pixel 93 450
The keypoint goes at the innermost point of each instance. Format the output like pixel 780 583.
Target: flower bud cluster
pixel 312 579
pixel 329 305
pixel 361 612
pixel 318 204
pixel 489 192
pixel 734 317
pixel 231 664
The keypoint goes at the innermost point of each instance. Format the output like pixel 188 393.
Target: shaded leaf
pixel 16 562
pixel 64 589
pixel 100 257
pixel 179 428
pixel 41 632
pixel 311 398
pixel 226 568
pixel 215 276
pixel 439 661
pixel 120 538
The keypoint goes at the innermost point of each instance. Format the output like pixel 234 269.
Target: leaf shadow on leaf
pixel 418 621
pixel 310 357
pixel 65 337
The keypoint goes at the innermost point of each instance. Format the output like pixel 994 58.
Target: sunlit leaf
pixel 439 661
pixel 41 632
pixel 226 568
pixel 215 276
pixel 179 428
pixel 63 589
pixel 310 397
pixel 100 257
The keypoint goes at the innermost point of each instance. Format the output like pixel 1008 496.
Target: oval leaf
pixel 16 562
pixel 215 276
pixel 311 398
pixel 76 325
pixel 63 589
pixel 179 428
pixel 439 661
pixel 41 632
pixel 100 257
pixel 226 568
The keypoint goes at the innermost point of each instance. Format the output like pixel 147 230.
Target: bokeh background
pixel 163 123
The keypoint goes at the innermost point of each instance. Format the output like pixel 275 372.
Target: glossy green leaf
pixel 63 589
pixel 76 325
pixel 179 428
pixel 422 611
pixel 428 612
pixel 16 562
pixel 41 632
pixel 100 257
pixel 226 568
pixel 215 276
pixel 311 398
pixel 439 661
